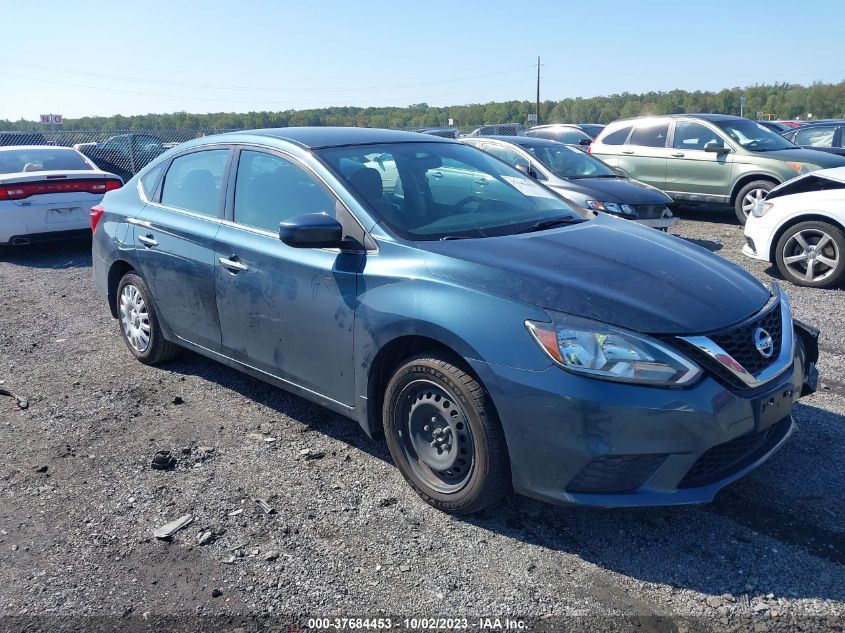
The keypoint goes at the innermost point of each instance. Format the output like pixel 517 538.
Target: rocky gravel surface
pixel 296 513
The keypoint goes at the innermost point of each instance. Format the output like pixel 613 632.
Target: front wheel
pixel 750 195
pixel 812 254
pixel 445 436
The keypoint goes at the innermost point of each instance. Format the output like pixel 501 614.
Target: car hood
pixel 610 270
pixel 622 190
pixel 814 156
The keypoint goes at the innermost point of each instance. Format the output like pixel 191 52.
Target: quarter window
pixel 617 137
pixel 270 189
pixel 194 181
pixel 149 181
pixel 815 136
pixel 650 135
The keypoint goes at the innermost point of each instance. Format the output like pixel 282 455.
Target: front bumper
pixel 660 223
pixel 578 440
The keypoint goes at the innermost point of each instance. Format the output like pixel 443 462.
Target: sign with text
pixel 54 119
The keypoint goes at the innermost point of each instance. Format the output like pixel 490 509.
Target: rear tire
pixel 748 196
pixel 812 254
pixel 444 435
pixel 139 324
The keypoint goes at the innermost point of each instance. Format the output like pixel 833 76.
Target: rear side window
pixel 270 189
pixel 194 181
pixel 815 136
pixel 650 135
pixel 617 137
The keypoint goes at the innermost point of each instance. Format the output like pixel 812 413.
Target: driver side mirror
pixel 585 141
pixel 312 230
pixel 716 147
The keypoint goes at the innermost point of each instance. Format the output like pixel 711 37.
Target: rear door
pixel 693 172
pixel 286 311
pixel 174 238
pixel 645 155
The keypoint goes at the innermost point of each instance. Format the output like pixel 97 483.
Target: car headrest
pixel 367 182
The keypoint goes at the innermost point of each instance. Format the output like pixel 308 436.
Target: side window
pixel 194 181
pixel 505 154
pixel 815 136
pixel 650 135
pixel 270 189
pixel 572 136
pixel 691 136
pixel 149 181
pixel 617 137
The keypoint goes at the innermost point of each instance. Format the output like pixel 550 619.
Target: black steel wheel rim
pixel 435 436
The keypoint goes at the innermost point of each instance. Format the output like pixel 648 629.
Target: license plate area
pixel 63 215
pixel 773 407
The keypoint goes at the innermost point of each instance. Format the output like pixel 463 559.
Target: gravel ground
pixel 347 537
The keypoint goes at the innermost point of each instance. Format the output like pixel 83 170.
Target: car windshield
pixel 567 162
pixel 753 136
pixel 13 161
pixel 436 191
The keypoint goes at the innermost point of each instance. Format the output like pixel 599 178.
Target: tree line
pixel 780 101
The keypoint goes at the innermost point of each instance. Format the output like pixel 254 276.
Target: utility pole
pixel 537 111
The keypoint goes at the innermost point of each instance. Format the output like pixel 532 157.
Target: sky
pixel 96 58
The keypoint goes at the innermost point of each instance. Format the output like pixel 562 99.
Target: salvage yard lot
pixel 79 501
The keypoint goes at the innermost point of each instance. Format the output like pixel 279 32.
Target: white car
pixel 46 193
pixel 800 227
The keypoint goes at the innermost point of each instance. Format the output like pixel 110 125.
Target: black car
pixel 442 132
pixel 774 126
pixel 826 136
pixel 124 154
pixel 22 138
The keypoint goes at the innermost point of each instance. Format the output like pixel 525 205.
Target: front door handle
pixel 147 240
pixel 233 264
pixel 627 151
pixel 677 155
pixel 481 181
pixel 436 174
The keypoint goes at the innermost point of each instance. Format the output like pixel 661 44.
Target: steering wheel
pixel 465 201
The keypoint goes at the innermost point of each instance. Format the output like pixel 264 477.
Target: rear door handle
pixel 627 151
pixel 677 155
pixel 147 240
pixel 481 181
pixel 233 264
pixel 437 174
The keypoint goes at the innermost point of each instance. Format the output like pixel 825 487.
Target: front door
pixel 174 242
pixel 286 311
pixel 693 171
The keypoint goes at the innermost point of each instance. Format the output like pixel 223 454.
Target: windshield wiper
pixel 542 225
pixel 596 176
pixel 457 237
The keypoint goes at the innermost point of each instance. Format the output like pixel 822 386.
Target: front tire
pixel 812 254
pixel 445 436
pixel 139 324
pixel 748 196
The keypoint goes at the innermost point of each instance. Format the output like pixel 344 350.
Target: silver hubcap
pixel 811 255
pixel 751 198
pixel 134 318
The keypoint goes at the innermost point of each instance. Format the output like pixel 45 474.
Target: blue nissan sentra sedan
pixel 499 338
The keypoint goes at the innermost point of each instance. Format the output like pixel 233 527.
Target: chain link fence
pixel 125 152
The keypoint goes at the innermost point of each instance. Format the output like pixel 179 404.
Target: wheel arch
pixel 117 270
pixel 813 216
pixel 749 178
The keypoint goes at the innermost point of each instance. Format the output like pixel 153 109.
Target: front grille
pixel 739 343
pixel 726 459
pixel 650 211
pixel 615 473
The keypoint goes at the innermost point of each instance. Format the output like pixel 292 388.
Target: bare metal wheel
pixel 434 435
pixel 134 318
pixel 139 322
pixel 444 435
pixel 749 196
pixel 811 254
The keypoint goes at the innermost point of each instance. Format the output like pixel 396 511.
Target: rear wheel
pixel 444 435
pixel 139 323
pixel 812 254
pixel 748 196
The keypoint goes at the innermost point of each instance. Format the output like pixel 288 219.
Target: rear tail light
pixel 96 216
pixel 22 190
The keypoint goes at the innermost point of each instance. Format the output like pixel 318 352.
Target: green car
pixel 707 158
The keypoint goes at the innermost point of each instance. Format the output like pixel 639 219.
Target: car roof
pixel 321 137
pixel 697 115
pixel 517 140
pixel 822 122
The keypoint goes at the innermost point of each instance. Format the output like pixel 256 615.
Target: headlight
pixel 761 208
pixel 611 207
pixel 802 168
pixel 595 349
